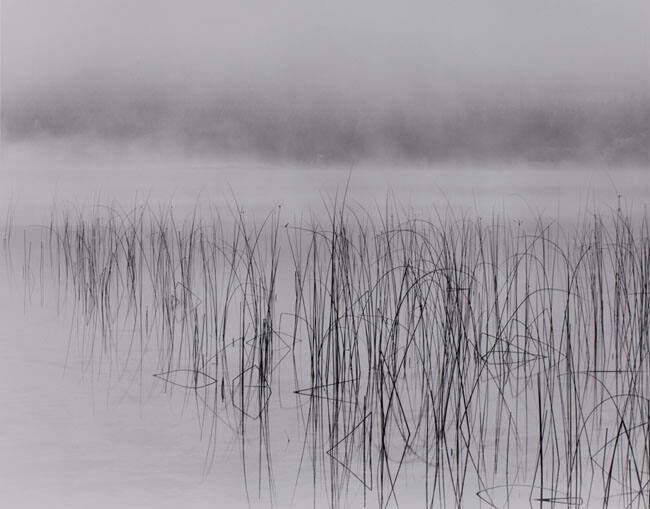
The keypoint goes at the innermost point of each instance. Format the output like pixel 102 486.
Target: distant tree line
pixel 614 131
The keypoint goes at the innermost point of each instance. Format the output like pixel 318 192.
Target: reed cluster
pixel 468 359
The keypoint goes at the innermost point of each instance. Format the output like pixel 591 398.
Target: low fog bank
pixel 616 132
pixel 336 81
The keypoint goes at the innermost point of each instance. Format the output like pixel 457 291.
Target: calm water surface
pixel 79 432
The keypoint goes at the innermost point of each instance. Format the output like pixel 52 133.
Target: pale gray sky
pixel 105 59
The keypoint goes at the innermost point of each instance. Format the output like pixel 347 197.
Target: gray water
pixel 82 430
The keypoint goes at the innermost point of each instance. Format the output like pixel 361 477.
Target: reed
pixel 487 358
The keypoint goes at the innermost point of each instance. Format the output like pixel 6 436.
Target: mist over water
pixel 336 83
pixel 327 254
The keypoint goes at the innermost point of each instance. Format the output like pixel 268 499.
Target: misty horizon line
pixel 615 131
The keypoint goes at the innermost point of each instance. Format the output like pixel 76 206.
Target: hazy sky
pixel 107 58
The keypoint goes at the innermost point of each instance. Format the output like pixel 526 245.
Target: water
pixel 84 430
pixel 523 190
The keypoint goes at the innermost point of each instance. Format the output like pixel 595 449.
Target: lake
pixel 457 335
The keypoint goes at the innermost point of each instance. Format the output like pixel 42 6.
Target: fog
pixel 331 81
pixel 377 231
